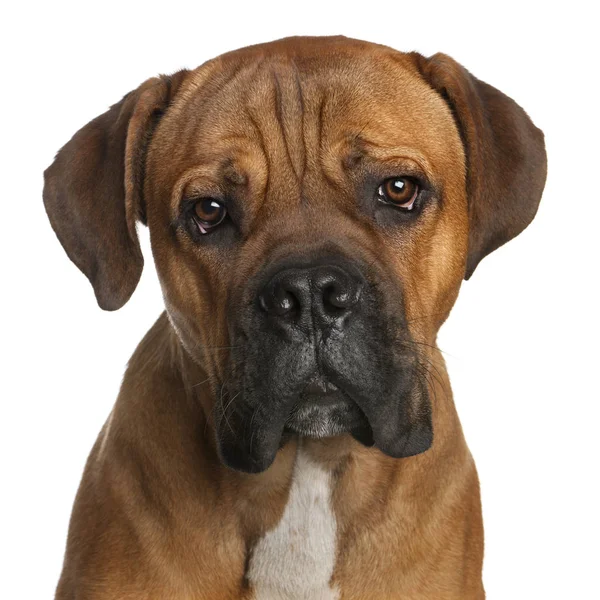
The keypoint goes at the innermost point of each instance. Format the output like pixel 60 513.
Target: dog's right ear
pixel 93 190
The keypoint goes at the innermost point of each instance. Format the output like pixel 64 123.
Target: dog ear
pixel 93 190
pixel 506 158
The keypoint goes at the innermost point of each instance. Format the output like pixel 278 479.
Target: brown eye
pixel 398 191
pixel 208 213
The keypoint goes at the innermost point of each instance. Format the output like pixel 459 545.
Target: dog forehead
pixel 287 104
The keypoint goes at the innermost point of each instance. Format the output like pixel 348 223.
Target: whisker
pixel 428 376
pixel 421 355
pixel 201 383
pixel 253 431
pixel 426 345
pixel 421 317
pixel 223 413
pixel 435 376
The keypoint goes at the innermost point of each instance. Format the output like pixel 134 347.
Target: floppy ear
pixel 506 158
pixel 93 190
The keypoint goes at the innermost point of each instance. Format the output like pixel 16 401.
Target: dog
pixel 286 429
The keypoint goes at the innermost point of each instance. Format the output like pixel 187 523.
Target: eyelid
pixel 196 192
pixel 400 156
pixel 409 172
pixel 390 163
pixel 197 182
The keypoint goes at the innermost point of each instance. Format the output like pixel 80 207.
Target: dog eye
pixel 399 191
pixel 208 213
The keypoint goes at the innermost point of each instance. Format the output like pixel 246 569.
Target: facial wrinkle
pixel 290 115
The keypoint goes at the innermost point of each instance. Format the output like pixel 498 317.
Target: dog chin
pixel 324 417
pixel 249 440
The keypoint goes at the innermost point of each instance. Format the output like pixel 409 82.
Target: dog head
pixel 313 206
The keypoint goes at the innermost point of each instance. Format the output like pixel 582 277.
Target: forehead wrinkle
pixel 389 153
pixel 211 81
pixel 263 149
pixel 274 111
pixel 329 152
pixel 289 107
pixel 203 114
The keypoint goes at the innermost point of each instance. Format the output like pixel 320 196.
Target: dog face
pixel 311 221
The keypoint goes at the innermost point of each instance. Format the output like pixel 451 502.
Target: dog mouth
pixel 324 410
pixel 393 416
pixel 318 355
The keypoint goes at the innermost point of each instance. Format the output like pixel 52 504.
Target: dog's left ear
pixel 506 158
pixel 93 190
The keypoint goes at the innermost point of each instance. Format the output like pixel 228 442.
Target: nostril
pixel 286 302
pixel 336 296
pixel 340 295
pixel 279 301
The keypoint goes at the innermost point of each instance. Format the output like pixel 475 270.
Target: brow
pixel 362 146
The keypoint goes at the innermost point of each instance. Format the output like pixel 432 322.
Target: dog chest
pixel 295 560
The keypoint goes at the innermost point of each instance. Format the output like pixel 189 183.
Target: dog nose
pixel 325 294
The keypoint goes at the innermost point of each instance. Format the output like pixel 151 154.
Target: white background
pixel 521 342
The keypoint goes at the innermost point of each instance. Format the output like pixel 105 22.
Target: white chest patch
pixel 295 560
